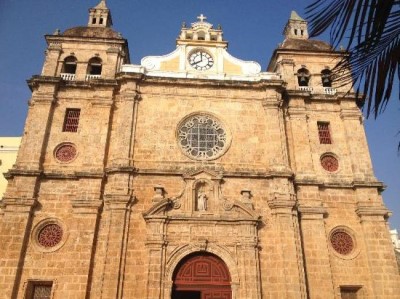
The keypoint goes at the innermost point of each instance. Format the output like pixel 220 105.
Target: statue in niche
pixel 201 201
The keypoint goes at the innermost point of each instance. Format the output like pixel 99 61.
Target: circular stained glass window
pixel 329 163
pixel 65 152
pixel 202 137
pixel 50 235
pixel 342 242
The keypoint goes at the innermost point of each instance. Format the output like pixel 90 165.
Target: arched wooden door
pixel 202 276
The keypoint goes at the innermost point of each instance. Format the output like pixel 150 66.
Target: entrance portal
pixel 202 276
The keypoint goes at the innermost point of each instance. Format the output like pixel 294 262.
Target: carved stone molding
pixel 82 206
pixel 282 203
pixel 312 212
pixel 372 213
pixel 18 205
pixel 118 202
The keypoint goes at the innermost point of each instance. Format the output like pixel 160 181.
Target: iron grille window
pixel 39 290
pixel 71 120
pixel 323 132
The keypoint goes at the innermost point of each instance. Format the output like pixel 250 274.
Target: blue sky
pixel 253 29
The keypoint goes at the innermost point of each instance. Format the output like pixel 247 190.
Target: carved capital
pixel 372 213
pixel 18 205
pixel 282 203
pixel 82 206
pixel 118 201
pixel 312 212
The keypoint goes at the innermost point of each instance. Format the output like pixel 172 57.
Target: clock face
pixel 201 60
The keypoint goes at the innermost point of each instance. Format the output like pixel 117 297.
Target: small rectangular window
pixel 324 133
pixel 39 290
pixel 71 120
pixel 349 292
pixel 101 21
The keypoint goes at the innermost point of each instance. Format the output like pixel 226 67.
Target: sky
pixel 253 29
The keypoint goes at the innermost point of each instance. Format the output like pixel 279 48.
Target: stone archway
pixel 201 276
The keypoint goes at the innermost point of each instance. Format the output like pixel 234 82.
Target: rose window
pixel 342 242
pixel 50 235
pixel 65 153
pixel 202 137
pixel 329 163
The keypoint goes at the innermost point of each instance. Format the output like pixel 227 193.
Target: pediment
pixel 202 174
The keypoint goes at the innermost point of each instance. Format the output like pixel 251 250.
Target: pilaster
pixel 302 162
pixel 357 144
pixel 285 219
pixel 118 209
pixel 14 238
pixel 277 144
pixel 379 250
pixel 315 249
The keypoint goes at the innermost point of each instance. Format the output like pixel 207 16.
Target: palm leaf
pixel 373 31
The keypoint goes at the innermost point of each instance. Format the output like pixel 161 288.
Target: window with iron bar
pixel 324 133
pixel 71 120
pixel 39 290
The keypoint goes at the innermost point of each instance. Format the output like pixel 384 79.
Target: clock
pixel 201 60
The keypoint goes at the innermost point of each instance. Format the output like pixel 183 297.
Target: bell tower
pixel 100 16
pixel 296 27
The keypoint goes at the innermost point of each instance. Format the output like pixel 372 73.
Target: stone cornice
pixel 347 185
pixel 62 39
pixel 197 82
pixel 227 174
pixel 39 79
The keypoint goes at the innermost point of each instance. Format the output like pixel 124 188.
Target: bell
pixel 326 81
pixel 303 79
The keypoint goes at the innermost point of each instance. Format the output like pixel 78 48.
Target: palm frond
pixel 372 29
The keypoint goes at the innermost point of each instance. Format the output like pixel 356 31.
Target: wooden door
pixel 202 276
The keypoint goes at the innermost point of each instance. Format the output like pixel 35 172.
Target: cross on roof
pixel 201 18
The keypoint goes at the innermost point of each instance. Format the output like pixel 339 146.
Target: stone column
pixel 379 250
pixel 285 219
pixel 316 255
pixel 118 209
pixel 15 231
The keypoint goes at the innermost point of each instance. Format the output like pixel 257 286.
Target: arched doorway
pixel 202 276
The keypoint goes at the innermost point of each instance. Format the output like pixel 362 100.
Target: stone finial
pixel 159 193
pixel 57 32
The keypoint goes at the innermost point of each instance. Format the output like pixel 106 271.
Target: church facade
pixel 192 175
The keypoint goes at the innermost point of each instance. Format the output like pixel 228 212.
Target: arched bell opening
pixel 201 276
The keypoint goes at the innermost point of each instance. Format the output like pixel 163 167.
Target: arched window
pixel 303 77
pixel 69 66
pixel 326 77
pixel 94 66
